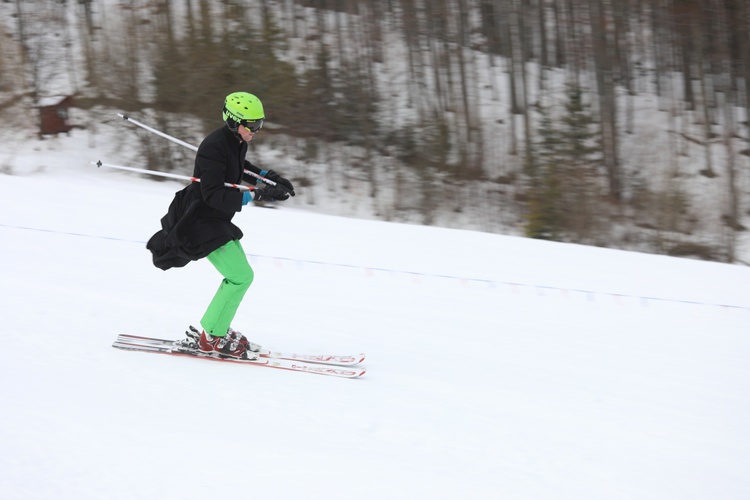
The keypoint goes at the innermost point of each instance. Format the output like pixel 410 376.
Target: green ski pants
pixel 231 261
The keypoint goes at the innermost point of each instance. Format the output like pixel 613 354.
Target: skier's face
pixel 245 133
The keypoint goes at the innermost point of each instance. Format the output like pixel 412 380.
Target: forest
pixel 617 123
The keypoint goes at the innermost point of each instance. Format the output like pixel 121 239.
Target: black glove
pixel 282 182
pixel 271 193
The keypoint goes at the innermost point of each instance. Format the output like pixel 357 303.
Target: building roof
pixel 51 100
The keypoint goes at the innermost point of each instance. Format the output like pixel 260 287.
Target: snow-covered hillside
pixel 686 185
pixel 498 367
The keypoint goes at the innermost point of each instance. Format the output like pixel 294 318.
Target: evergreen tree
pixel 544 216
pixel 580 157
pixel 563 194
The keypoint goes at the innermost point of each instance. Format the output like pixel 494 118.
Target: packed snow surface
pixel 497 367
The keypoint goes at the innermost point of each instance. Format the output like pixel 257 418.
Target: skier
pixel 198 223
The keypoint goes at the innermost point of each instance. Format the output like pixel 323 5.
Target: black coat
pixel 199 219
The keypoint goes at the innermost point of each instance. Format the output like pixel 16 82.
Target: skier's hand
pixel 272 193
pixel 282 182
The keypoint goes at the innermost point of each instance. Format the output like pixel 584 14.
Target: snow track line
pixel 487 282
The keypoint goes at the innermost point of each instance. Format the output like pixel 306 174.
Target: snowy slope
pixel 498 367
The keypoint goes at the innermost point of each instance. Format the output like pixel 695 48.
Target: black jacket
pixel 199 219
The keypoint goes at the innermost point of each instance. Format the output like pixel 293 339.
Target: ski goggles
pixel 252 126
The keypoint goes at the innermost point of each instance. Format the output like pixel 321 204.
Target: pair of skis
pixel 333 365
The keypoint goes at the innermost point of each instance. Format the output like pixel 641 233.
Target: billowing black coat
pixel 199 219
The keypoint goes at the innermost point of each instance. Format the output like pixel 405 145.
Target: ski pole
pixel 157 132
pixel 183 143
pixel 165 174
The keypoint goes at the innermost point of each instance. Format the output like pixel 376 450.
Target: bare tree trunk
pixel 508 21
pixel 542 27
pixel 745 34
pixel 471 151
pixel 524 49
pixel 603 57
pixel 731 218
pixel 684 22
pixel 708 135
pixel 623 26
pixel 25 57
pixel 559 58
pixel 411 30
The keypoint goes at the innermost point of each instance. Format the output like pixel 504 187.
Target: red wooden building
pixel 53 113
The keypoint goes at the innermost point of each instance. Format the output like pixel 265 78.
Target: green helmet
pixel 242 107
